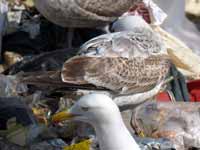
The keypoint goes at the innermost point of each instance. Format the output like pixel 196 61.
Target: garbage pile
pixel 55 54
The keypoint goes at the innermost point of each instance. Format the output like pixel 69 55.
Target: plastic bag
pixel 10 86
pixel 178 122
pixel 157 15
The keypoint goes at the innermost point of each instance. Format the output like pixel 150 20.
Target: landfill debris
pixel 17 123
pixel 11 58
pixel 52 144
pixel 157 15
pixel 6 145
pixel 178 24
pixel 45 61
pixel 11 86
pixel 175 121
pixel 31 45
pixel 193 9
pixel 85 145
pixel 19 20
pixel 3 22
pixel 180 54
pixel 154 144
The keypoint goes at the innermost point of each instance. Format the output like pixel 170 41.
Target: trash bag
pixel 179 122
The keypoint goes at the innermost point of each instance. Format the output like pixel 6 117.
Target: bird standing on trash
pixel 103 114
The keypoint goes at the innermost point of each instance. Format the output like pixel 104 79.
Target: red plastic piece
pixel 193 88
pixel 163 97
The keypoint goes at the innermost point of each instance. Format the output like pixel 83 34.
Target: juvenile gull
pixel 140 41
pixel 86 13
pixel 83 13
pixel 125 63
pixel 122 76
pixel 103 114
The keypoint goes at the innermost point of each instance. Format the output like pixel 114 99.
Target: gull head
pixel 129 23
pixel 92 108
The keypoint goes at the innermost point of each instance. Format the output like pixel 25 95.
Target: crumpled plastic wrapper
pixel 179 122
pixel 154 144
pixel 157 15
pixel 19 19
pixel 10 86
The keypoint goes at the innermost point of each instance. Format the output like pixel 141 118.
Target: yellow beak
pixel 62 116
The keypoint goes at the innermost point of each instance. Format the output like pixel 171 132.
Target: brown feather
pixel 121 75
pixel 53 79
pixel 74 70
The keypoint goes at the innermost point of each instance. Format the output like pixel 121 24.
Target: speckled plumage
pixel 83 13
pixel 121 75
pixel 140 42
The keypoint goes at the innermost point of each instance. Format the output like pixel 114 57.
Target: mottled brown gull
pixel 126 63
pixel 88 13
pixel 83 13
pixel 123 76
pixel 140 41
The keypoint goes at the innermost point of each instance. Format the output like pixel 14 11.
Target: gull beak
pixel 62 116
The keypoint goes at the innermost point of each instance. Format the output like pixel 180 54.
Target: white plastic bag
pixel 157 15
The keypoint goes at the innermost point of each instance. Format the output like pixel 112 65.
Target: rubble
pixel 175 121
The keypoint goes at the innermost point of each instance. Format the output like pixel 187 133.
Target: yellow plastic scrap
pixel 29 3
pixel 84 145
pixel 40 114
pixel 141 134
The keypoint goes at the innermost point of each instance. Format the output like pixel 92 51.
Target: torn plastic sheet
pixel 157 15
pixel 3 6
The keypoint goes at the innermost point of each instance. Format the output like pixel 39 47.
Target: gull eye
pixel 85 108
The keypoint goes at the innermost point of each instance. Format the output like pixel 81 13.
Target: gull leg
pixel 1 49
pixel 70 36
pixel 126 102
